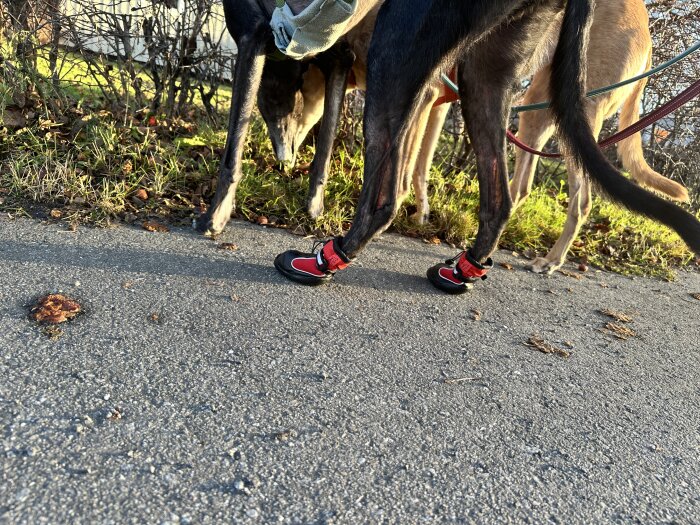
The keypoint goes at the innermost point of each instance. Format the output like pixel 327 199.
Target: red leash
pixel 671 106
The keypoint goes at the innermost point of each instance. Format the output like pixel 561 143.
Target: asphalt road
pixel 200 387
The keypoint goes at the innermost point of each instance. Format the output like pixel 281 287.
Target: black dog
pixel 497 40
pixel 248 21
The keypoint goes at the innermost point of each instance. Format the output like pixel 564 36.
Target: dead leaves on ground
pixel 55 309
pixel 229 246
pixel 618 316
pixel 536 342
pixel 573 275
pixel 695 296
pixel 619 331
pixel 152 226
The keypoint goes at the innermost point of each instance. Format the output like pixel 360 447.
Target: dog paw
pixel 543 265
pixel 419 218
pixel 314 207
pixel 205 225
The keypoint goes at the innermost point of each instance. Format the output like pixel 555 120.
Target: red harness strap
pixel 448 95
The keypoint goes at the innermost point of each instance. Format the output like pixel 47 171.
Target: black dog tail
pixel 568 84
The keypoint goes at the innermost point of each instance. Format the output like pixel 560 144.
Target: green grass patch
pixel 97 166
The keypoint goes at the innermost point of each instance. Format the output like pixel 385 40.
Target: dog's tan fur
pixel 422 145
pixel 620 47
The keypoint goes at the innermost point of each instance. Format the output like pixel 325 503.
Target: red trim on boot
pixel 307 265
pixel 333 260
pixel 471 268
pixel 448 274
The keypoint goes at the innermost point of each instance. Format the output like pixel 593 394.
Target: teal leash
pixel 599 91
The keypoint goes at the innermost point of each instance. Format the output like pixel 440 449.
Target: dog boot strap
pixel 331 257
pixel 470 269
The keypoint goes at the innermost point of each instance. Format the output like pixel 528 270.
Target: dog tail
pixel 632 155
pixel 568 102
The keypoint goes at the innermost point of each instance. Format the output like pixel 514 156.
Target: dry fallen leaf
pixel 620 331
pixel 543 346
pixel 152 226
pixel 571 274
pixel 695 296
pixel 141 194
pixel 261 220
pixel 285 435
pixel 56 213
pixel 227 246
pixel 506 266
pixel 476 315
pixel 55 309
pixel 154 317
pixel 618 316
pixel 432 240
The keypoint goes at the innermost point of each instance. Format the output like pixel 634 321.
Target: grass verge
pixel 96 166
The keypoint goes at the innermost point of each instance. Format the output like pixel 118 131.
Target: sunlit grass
pixel 95 165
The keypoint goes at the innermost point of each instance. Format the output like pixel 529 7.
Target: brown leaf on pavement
pixel 620 331
pixel 55 309
pixel 571 274
pixel 536 342
pixel 618 316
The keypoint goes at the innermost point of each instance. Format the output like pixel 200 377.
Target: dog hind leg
pixel 421 173
pixel 535 129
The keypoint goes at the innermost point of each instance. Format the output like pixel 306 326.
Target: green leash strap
pixel 599 91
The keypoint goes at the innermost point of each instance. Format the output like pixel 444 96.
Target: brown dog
pixel 620 48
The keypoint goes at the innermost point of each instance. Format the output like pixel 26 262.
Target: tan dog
pixel 424 133
pixel 620 47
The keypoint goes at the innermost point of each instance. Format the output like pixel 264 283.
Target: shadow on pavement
pixel 168 263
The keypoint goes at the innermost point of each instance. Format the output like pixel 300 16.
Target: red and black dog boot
pixel 459 278
pixel 313 268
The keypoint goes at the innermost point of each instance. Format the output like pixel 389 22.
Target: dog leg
pixel 421 173
pixel 246 81
pixel 336 69
pixel 416 138
pixel 578 210
pixel 485 107
pixel 535 129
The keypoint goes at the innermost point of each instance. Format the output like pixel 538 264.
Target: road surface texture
pixel 200 386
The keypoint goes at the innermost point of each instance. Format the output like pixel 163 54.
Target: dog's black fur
pixel 497 40
pixel 248 23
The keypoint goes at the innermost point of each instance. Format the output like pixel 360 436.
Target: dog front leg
pixel 485 107
pixel 335 69
pixel 246 81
